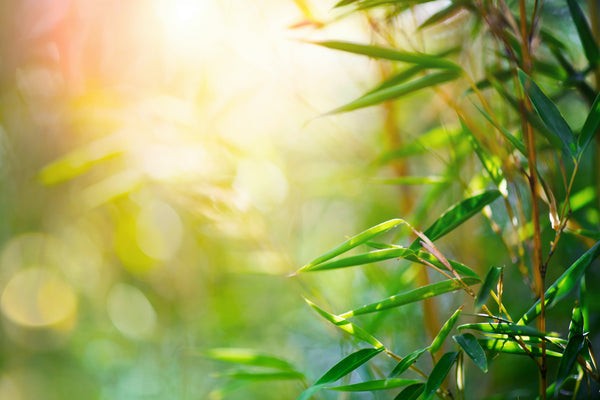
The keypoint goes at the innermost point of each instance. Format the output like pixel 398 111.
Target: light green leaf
pixel 347 326
pixel 423 60
pixel 361 259
pixel 261 376
pixel 353 242
pixel 411 392
pixel 516 142
pixel 439 373
pixel 564 284
pixel 418 294
pixel 415 180
pixel 473 349
pixel 507 329
pixel 591 126
pixel 549 114
pixel 491 278
pixel 380 384
pixel 438 137
pixel 453 8
pixel 458 214
pixel 590 48
pixel 510 346
pixel 247 357
pixel 406 362
pixel 574 347
pixel 490 162
pixel 437 342
pixel 348 364
pixel 393 92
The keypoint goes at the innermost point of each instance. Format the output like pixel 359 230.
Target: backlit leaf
pixel 506 328
pixel 247 357
pixel 380 384
pixel 437 342
pixel 406 362
pixel 347 365
pixel 510 346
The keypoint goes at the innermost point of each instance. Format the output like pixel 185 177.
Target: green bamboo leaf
pixel 510 346
pixel 574 347
pixel 261 376
pixel 411 392
pixel 458 214
pixel 437 342
pixel 415 180
pixel 344 3
pixel 516 142
pixel 473 349
pixel 380 384
pixel 353 242
pixel 247 357
pixel 394 92
pixel 564 284
pixel 406 362
pixel 422 293
pixel 453 9
pixel 347 365
pixel 506 328
pixel 549 113
pixel 590 127
pixel 491 278
pixel 491 163
pixel 398 78
pixel 424 60
pixel 364 258
pixel 590 48
pixel 439 373
pixel 347 326
pixel 438 137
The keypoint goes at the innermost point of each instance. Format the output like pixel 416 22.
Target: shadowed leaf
pixel 473 349
pixel 591 126
pixel 590 48
pixel 574 347
pixel 406 362
pixel 411 392
pixel 439 373
pixel 491 278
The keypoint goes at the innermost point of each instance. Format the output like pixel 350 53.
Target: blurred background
pixel 162 171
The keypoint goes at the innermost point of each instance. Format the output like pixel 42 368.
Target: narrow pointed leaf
pixel 347 326
pixel 411 392
pixel 262 376
pixel 423 60
pixel 564 284
pixel 406 362
pixel 247 357
pixel 509 346
pixel 473 349
pixel 422 293
pixel 516 142
pixel 361 259
pixel 591 126
pixel 439 373
pixel 491 278
pixel 549 113
pixel 437 342
pixel 347 365
pixel 491 163
pixel 458 214
pixel 574 346
pixel 394 92
pixel 415 180
pixel 380 384
pixel 445 13
pixel 590 48
pixel 353 242
pixel 507 329
pixel 398 78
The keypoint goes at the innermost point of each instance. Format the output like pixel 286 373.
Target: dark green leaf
pixel 422 293
pixel 347 365
pixel 423 60
pixel 439 373
pixel 590 48
pixel 458 214
pixel 411 392
pixel 406 362
pixel 353 242
pixel 549 114
pixel 564 284
pixel 347 326
pixel 247 357
pixel 591 126
pixel 437 342
pixel 381 384
pixel 574 347
pixel 491 278
pixel 393 92
pixel 473 349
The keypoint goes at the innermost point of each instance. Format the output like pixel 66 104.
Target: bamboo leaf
pixel 506 328
pixel 549 113
pixel 445 13
pixel 438 137
pixel 491 278
pixel 411 392
pixel 393 92
pixel 380 384
pixel 422 293
pixel 437 342
pixel 516 142
pixel 439 373
pixel 361 259
pixel 458 214
pixel 348 364
pixel 406 362
pixel 491 164
pixel 423 60
pixel 564 284
pixel 415 180
pixel 347 326
pixel 353 242
pixel 261 376
pixel 574 346
pixel 473 349
pixel 590 48
pixel 247 357
pixel 590 127
pixel 510 346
